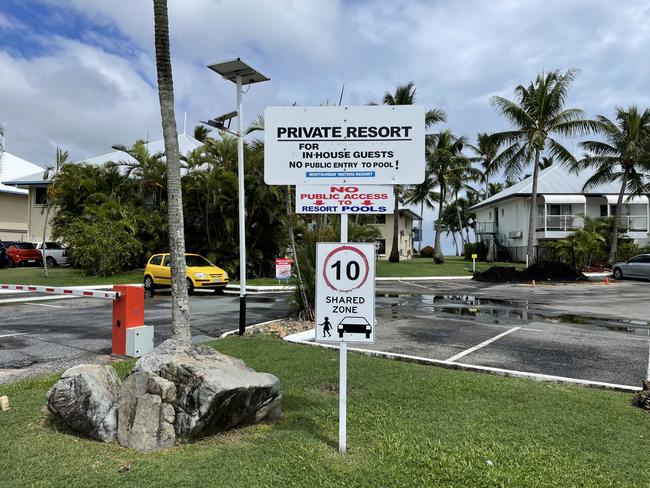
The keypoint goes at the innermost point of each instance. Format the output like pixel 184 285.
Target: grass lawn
pixel 64 276
pixel 453 266
pixel 408 425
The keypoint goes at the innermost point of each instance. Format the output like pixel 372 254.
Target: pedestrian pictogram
pixel 345 292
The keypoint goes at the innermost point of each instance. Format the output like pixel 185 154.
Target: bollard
pixel 607 280
pixel 128 312
pixel 533 284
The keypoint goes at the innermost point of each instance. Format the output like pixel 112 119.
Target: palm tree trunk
pixel 394 252
pixel 301 283
pixel 438 257
pixel 421 222
pixel 613 248
pixel 47 217
pixel 180 301
pixel 532 221
pixel 453 236
pixel 460 222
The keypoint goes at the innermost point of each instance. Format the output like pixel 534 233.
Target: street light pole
pixel 242 211
pixel 239 73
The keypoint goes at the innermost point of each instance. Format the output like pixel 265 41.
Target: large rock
pixel 215 392
pixel 86 399
pixel 146 416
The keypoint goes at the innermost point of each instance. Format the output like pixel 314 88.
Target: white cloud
pixel 457 53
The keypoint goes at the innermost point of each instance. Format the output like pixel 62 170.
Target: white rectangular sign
pixel 344 199
pixel 345 292
pixel 381 144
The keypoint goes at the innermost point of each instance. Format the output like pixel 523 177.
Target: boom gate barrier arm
pixel 130 337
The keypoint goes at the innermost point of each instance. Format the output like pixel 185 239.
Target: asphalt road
pixel 591 331
pixel 44 336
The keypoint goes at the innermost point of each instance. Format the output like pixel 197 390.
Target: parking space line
pixel 46 305
pixel 13 335
pixel 481 345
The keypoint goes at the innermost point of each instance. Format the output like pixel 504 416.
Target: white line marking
pixel 37 299
pixel 46 305
pixel 481 345
pixel 13 335
pixel 471 367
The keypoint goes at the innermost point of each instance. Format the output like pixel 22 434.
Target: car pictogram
pixel 354 325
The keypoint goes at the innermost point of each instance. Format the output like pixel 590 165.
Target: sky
pixel 80 74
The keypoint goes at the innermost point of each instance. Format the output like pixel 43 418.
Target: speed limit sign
pixel 345 292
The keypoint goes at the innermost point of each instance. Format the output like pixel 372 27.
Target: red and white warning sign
pixel 344 199
pixel 283 268
pixel 345 292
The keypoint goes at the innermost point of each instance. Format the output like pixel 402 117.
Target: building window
pixel 380 246
pixel 40 196
pixel 603 210
pixel 416 234
pixel 380 219
pixel 503 212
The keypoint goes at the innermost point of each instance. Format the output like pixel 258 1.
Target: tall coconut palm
pixel 405 95
pixel 624 156
pixel 486 150
pixel 447 163
pixel 148 168
pixel 52 170
pixel 537 114
pixel 180 301
pixel 424 194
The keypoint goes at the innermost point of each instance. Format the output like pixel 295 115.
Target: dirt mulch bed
pixel 283 327
pixel 539 272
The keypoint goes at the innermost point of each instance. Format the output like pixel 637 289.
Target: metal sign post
pixel 345 303
pixel 343 367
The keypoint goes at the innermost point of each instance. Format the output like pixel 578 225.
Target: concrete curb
pixel 300 338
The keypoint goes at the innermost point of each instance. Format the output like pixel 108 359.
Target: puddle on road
pixel 496 311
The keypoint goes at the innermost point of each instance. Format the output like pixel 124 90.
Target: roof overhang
pixel 627 199
pixel 404 211
pixel 564 198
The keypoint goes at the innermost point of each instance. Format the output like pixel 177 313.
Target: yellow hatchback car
pixel 201 273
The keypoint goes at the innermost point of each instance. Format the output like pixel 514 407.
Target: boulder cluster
pixel 178 392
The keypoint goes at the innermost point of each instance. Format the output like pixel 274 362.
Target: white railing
pixel 634 222
pixel 485 228
pixel 559 222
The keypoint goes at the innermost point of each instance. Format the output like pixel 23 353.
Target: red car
pixel 22 253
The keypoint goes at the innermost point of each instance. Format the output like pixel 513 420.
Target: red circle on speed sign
pixel 346 248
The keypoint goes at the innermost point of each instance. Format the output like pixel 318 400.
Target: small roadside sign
pixel 474 256
pixel 345 292
pixel 344 199
pixel 283 268
pixel 377 145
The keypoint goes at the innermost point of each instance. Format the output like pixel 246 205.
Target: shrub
pixel 469 249
pixel 101 246
pixel 426 252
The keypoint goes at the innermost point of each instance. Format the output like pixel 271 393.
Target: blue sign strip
pixel 340 174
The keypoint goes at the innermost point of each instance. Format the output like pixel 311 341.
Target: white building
pixel 34 187
pixel 561 205
pixel 14 202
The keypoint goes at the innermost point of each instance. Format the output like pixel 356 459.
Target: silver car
pixel 55 253
pixel 636 267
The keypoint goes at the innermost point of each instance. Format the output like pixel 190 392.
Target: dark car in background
pixel 23 253
pixel 4 259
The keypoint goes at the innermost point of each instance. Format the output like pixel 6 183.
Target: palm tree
pixel 486 150
pixel 447 164
pixel 180 301
pixel 623 157
pixel 423 193
pixel 149 169
pixel 201 133
pixel 61 159
pixel 405 95
pixel 537 113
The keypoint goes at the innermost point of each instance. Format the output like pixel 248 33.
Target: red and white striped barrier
pixel 110 295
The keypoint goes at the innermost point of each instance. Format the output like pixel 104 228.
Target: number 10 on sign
pixel 345 292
